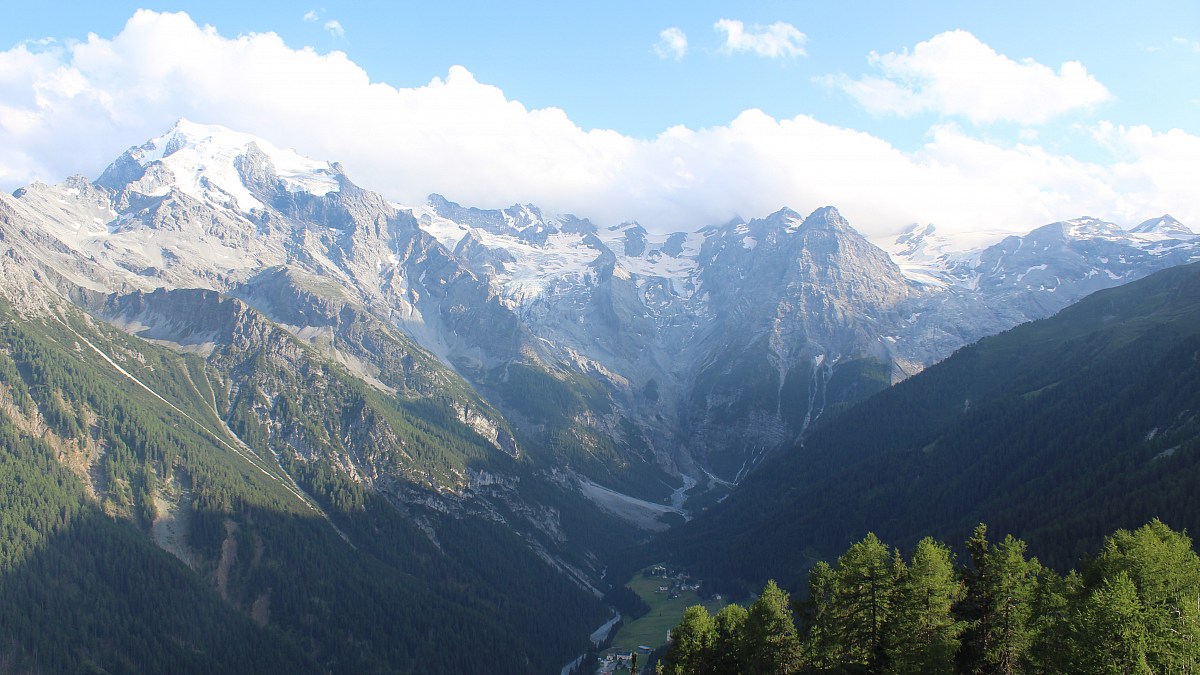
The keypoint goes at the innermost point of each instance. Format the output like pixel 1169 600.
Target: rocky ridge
pixel 690 354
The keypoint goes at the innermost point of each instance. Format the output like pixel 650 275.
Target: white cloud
pixel 955 74
pixel 73 109
pixel 334 26
pixel 779 40
pixel 1193 45
pixel 672 44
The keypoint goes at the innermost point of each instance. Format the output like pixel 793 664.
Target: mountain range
pixel 515 394
pixel 1052 431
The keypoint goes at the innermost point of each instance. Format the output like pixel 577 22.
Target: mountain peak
pixel 1164 226
pixel 826 217
pixel 785 212
pixel 785 219
pixel 210 138
pixel 1082 228
pixel 211 163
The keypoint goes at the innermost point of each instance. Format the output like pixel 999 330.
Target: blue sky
pixel 1063 107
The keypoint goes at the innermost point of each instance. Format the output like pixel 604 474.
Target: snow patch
pixel 202 160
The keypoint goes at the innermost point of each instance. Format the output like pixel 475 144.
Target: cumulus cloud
pixel 312 16
pixel 672 44
pixel 955 74
pixel 779 40
pixel 74 108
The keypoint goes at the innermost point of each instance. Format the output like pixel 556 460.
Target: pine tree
pixel 821 647
pixel 924 633
pixel 1014 583
pixel 1054 604
pixel 1109 632
pixel 692 640
pixel 865 584
pixel 1166 573
pixel 972 609
pixel 729 643
pixel 998 606
pixel 772 645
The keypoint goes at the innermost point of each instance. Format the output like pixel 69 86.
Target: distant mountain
pixel 418 505
pixel 748 332
pixel 1056 431
pixel 710 349
pixel 1165 227
pixel 494 402
pixel 1052 266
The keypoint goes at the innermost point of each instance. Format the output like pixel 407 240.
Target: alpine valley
pixel 258 418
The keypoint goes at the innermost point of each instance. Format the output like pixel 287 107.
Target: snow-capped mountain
pixel 216 165
pixel 746 324
pixel 476 392
pixel 560 387
pixel 1164 227
pixel 707 349
pixel 1051 267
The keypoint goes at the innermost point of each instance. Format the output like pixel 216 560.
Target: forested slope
pixel 108 443
pixel 1058 431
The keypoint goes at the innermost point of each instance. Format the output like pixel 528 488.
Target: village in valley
pixel 668 593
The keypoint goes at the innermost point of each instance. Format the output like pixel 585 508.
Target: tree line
pixel 1134 607
pixel 84 587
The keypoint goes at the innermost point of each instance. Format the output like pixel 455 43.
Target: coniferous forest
pixel 1059 430
pixel 599 338
pixel 245 497
pixel 266 583
pixel 1132 607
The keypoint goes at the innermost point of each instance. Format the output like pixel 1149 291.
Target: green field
pixel 651 629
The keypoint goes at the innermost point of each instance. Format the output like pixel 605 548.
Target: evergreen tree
pixel 1135 611
pixel 692 642
pixel 1165 571
pixel 821 646
pixel 924 633
pixel 998 606
pixel 973 607
pixel 863 595
pixel 772 645
pixel 1110 633
pixel 728 645
pixel 1054 605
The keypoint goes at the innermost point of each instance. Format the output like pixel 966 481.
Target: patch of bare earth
pixel 228 558
pixel 172 513
pixel 260 611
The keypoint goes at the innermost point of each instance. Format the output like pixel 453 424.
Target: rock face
pixel 747 333
pixel 791 300
pixel 511 385
pixel 615 354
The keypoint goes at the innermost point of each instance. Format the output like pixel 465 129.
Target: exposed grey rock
pixel 1165 226
pixel 718 346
